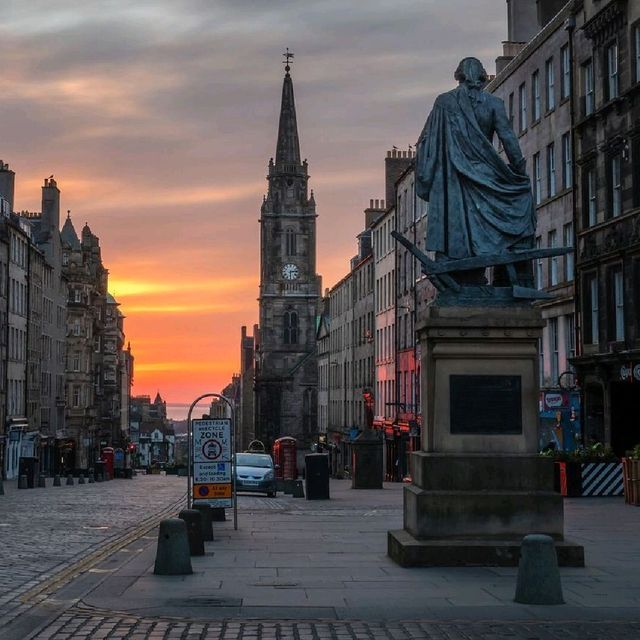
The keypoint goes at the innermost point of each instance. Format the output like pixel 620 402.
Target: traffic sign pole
pixel 233 449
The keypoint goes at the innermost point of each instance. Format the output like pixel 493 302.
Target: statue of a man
pixel 478 204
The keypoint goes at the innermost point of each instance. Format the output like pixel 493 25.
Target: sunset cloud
pixel 158 119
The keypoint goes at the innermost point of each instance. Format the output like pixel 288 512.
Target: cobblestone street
pixel 46 531
pixel 81 625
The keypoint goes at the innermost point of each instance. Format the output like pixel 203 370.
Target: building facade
pixel 606 80
pixel 536 88
pixel 286 366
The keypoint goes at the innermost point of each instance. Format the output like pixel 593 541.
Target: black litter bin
pixel 317 476
pixel 29 467
pixel 99 468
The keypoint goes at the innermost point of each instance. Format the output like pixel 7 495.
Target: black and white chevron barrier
pixel 602 479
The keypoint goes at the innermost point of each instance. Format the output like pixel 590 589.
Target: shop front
pixel 611 400
pixel 16 430
pixel 560 425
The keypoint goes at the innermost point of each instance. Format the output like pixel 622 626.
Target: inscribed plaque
pixel 485 405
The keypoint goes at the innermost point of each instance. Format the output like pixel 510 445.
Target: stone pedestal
pixel 478 487
pixel 366 461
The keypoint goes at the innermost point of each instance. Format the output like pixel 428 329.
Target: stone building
pixel 413 292
pixel 108 363
pixel 606 82
pixel 16 236
pixel 535 83
pixel 384 258
pixel 5 212
pixel 96 369
pixel 150 432
pixel 286 368
pixel 347 367
pixel 48 339
pixel 323 347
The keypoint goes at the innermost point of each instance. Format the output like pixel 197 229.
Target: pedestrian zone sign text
pixel 212 462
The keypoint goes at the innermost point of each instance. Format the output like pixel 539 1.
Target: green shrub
pixel 595 453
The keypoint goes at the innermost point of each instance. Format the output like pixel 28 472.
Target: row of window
pixel 553 263
pixel 353 333
pixel 553 335
pixel 385 292
pixel 610 73
pixel 614 179
pixel 385 343
pixel 614 331
pixel 552 179
pixel 382 240
pixel 15 398
pixel 17 297
pixel 18 248
pixel 550 90
pixel 17 344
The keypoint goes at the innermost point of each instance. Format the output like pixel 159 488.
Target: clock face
pixel 289 271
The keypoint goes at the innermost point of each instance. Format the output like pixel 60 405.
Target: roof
pixel 68 234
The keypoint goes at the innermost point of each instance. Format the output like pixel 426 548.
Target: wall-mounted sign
pixel 630 372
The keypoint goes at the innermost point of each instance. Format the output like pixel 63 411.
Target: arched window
pixel 290 327
pixel 290 237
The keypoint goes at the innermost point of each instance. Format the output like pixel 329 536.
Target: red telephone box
pixel 285 458
pixel 107 458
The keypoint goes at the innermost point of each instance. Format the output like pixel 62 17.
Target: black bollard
pixel 218 514
pixel 297 490
pixel 1 488
pixel 81 478
pixel 172 554
pixel 56 481
pixel 193 520
pixel 42 482
pixel 538 576
pixel 91 479
pixel 70 479
pixel 207 520
pixel 23 482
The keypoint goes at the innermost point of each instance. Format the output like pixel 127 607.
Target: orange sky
pixel 158 119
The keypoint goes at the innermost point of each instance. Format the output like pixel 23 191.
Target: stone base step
pixel 408 551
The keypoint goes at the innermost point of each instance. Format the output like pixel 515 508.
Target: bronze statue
pixel 481 210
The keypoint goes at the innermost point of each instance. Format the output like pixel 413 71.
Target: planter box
pixel 631 472
pixel 590 479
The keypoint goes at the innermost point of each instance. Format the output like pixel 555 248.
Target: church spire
pixel 288 146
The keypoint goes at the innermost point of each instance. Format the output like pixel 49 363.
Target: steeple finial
pixel 288 58
pixel 288 145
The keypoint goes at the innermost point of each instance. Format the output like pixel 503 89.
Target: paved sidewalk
pixel 311 570
pixel 299 559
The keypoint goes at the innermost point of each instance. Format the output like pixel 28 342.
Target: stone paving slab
pixel 284 560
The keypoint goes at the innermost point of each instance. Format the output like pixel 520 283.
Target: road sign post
pixel 211 473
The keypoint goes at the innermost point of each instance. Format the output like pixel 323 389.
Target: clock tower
pixel 286 366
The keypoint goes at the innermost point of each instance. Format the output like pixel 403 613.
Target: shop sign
pixel 630 372
pixel 554 400
pixel 212 461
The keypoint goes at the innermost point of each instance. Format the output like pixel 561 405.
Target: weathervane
pixel 288 57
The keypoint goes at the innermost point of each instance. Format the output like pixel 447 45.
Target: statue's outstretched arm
pixel 508 138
